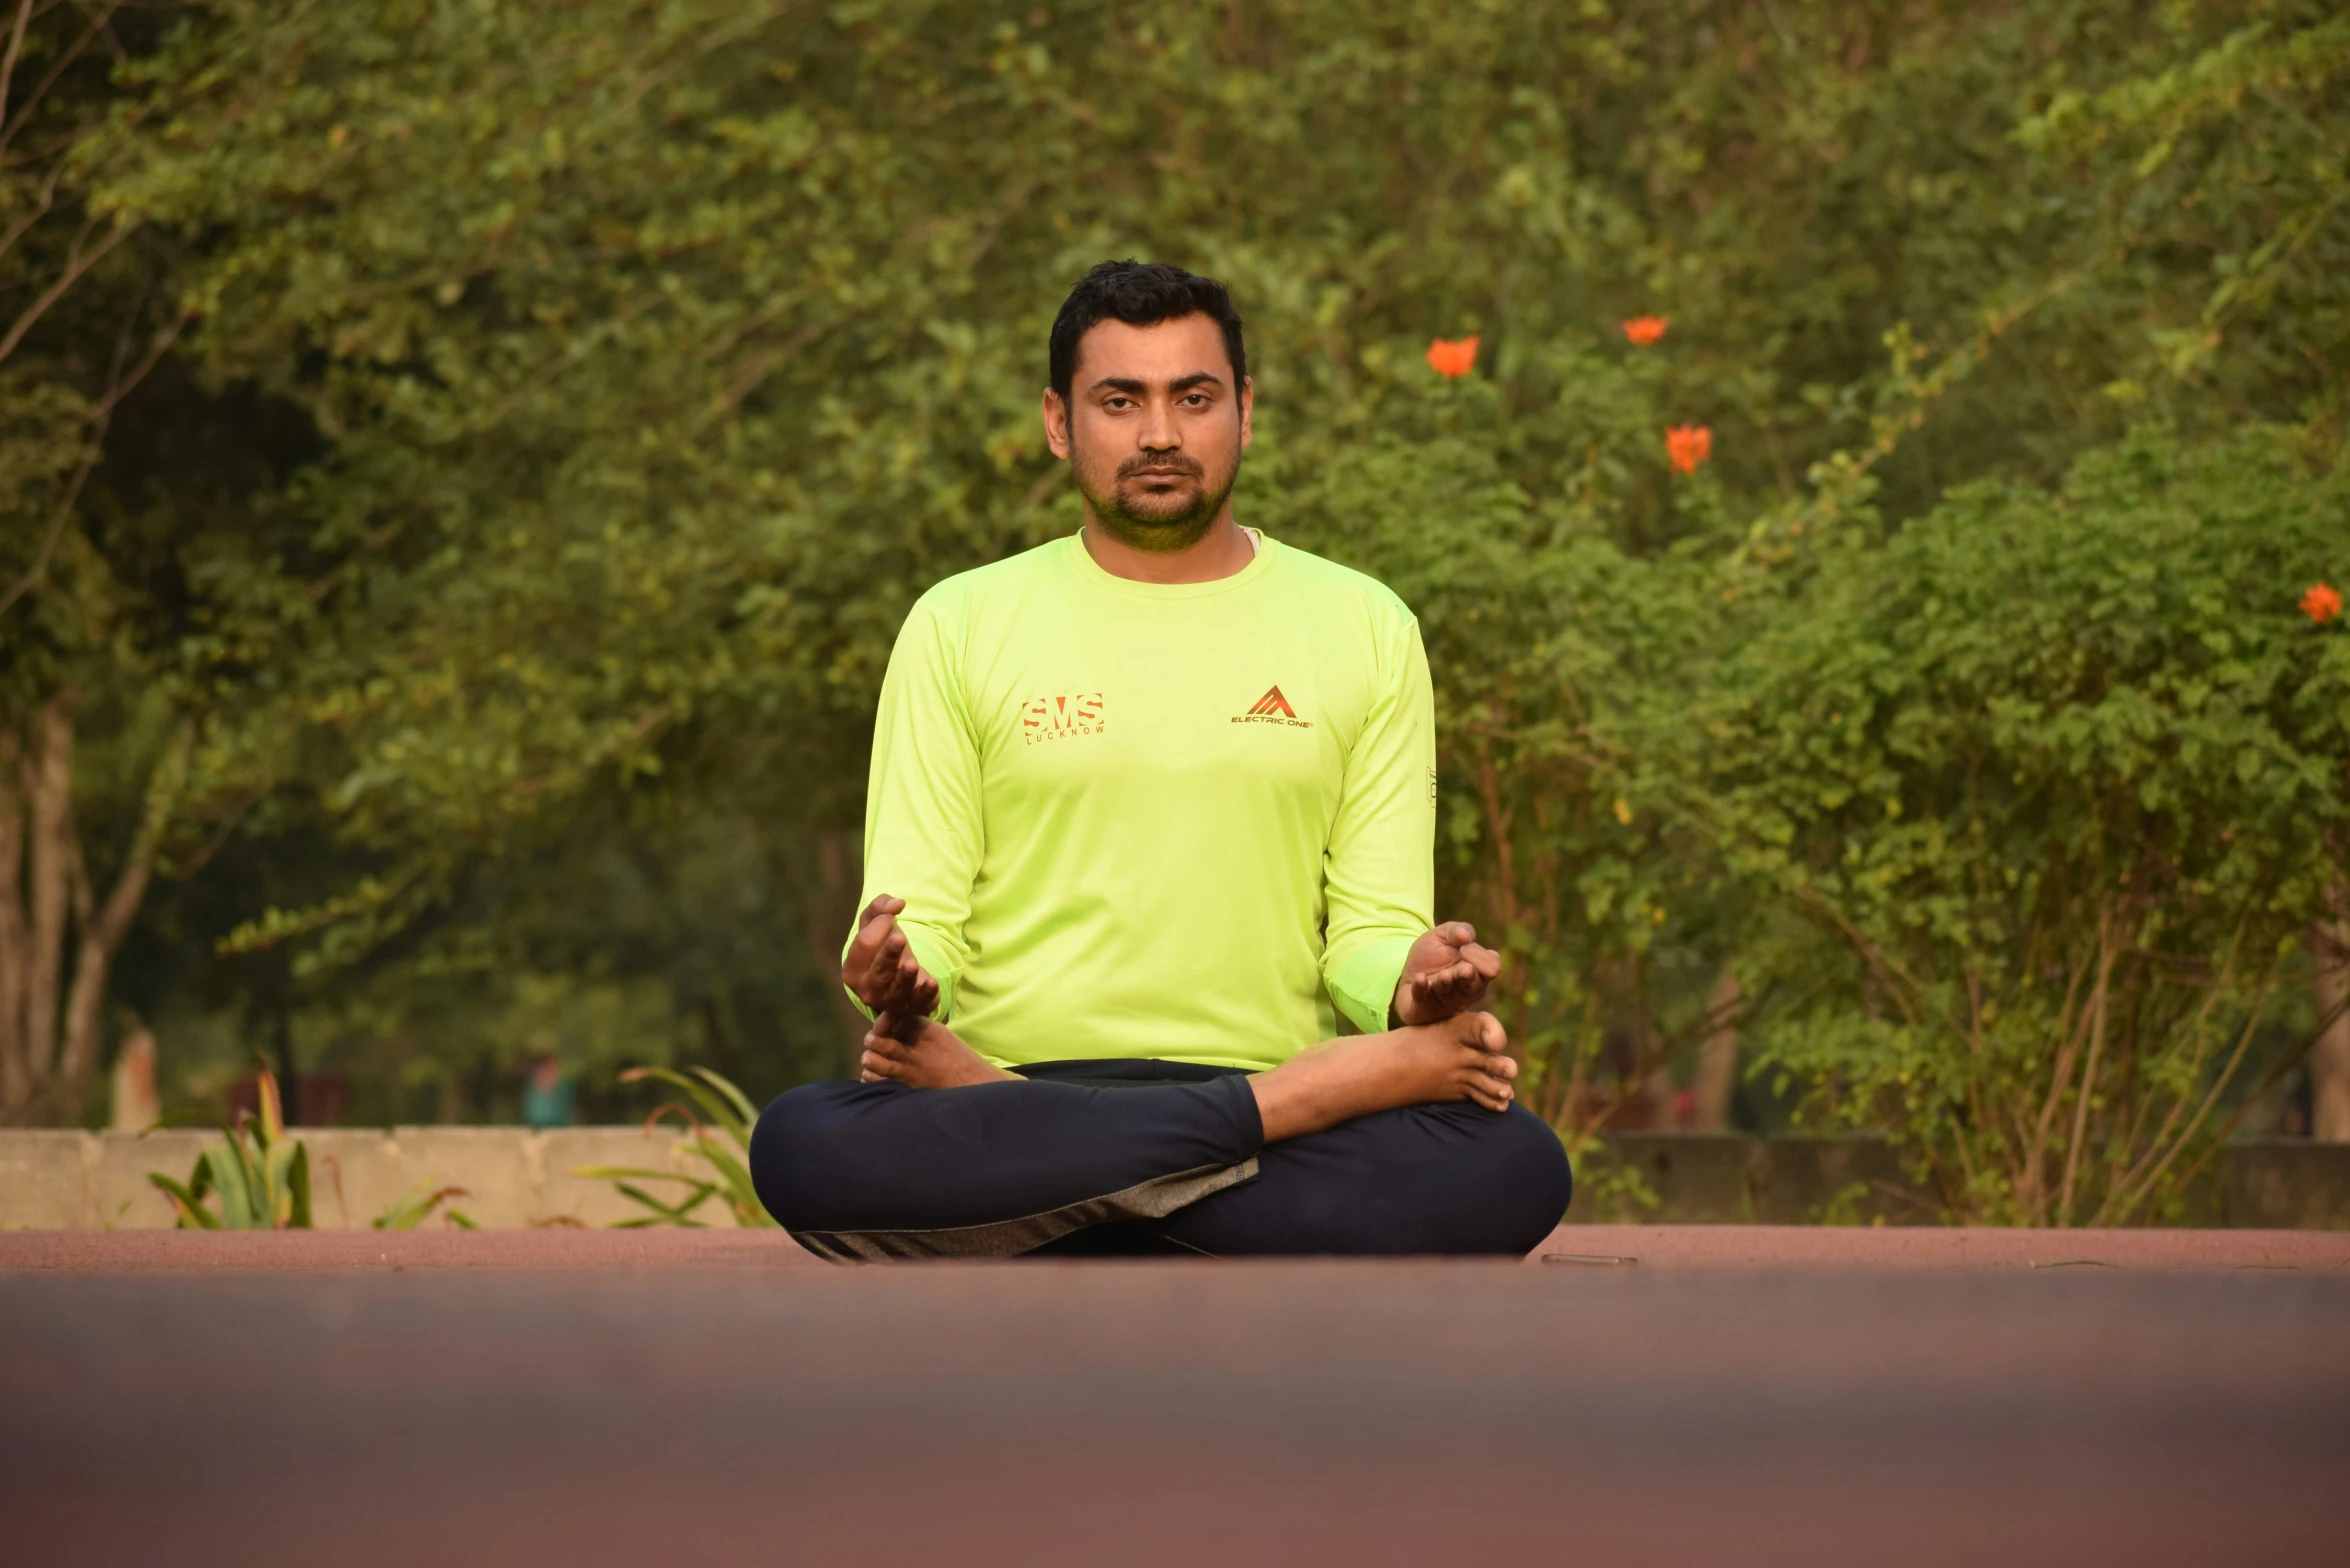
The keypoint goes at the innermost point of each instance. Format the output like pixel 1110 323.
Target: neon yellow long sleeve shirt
pixel 1145 820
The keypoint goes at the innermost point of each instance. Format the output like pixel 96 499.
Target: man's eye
pixel 1196 400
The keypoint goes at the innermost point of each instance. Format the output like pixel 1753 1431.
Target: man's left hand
pixel 1445 973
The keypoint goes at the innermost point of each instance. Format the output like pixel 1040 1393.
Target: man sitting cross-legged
pixel 1151 806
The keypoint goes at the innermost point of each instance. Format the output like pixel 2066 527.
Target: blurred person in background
pixel 548 1098
pixel 1152 807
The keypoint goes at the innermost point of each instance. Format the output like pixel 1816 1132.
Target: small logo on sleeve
pixel 1273 708
pixel 1061 718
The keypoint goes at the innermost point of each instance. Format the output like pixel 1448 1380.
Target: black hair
pixel 1141 294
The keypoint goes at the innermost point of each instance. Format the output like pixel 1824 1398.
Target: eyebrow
pixel 1126 384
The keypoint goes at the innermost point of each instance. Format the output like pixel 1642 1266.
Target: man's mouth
pixel 1175 468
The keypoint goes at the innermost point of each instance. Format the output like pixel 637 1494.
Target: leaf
pixel 231 1175
pixel 416 1205
pixel 719 1101
pixel 745 1113
pixel 192 1215
pixel 273 1120
pixel 298 1189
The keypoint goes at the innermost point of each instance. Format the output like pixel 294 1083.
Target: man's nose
pixel 1159 432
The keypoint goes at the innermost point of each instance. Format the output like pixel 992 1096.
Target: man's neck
pixel 1224 550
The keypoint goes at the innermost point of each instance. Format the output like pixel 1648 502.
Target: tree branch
pixel 101 414
pixel 39 570
pixel 77 262
pixel 37 211
pixel 48 79
pixel 24 19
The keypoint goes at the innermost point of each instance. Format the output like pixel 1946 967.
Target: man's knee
pixel 1529 1182
pixel 1502 1188
pixel 799 1149
pixel 1430 1179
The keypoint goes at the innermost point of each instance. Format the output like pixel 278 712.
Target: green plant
pixel 1607 1187
pixel 261 1175
pixel 723 1143
pixel 417 1205
pixel 2050 777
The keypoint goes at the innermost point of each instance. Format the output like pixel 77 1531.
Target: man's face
pixel 1153 430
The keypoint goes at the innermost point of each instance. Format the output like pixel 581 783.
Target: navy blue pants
pixel 1143 1157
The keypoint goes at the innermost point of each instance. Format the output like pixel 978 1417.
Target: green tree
pixel 635 365
pixel 85 317
pixel 2052 775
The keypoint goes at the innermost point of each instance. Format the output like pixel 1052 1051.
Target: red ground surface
pixel 1735 1396
pixel 1644 1246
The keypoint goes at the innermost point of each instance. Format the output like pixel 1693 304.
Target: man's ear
pixel 1248 404
pixel 1056 424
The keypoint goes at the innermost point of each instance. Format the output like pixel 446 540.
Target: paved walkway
pixel 1735 1396
pixel 1651 1247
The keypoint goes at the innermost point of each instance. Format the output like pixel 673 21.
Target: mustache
pixel 1174 462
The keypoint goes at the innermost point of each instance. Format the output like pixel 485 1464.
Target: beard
pixel 1161 521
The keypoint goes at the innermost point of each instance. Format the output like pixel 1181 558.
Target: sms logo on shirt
pixel 1060 718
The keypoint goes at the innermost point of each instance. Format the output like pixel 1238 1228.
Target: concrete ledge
pixel 1731 1179
pixel 514 1177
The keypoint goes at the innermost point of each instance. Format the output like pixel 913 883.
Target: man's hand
pixel 1445 973
pixel 880 966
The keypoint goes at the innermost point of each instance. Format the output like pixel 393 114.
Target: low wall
pixel 1729 1179
pixel 66 1180
pixel 513 1176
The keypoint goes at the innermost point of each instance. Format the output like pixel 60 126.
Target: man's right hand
pixel 880 966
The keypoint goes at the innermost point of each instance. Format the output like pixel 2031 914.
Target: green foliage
pixel 261 1176
pixel 2053 774
pixel 419 1204
pixel 1609 1190
pixel 666 352
pixel 723 1143
pixel 568 399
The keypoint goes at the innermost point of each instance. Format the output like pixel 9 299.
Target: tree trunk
pixel 1717 1059
pixel 48 788
pixel 50 1022
pixel 2329 1060
pixel 135 1105
pixel 15 953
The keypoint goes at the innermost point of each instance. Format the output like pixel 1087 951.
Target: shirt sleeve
pixel 923 829
pixel 1379 873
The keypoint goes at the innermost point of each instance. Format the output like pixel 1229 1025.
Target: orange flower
pixel 1453 358
pixel 1689 445
pixel 2322 603
pixel 1644 330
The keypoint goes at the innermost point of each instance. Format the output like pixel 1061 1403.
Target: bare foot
pixel 921 1053
pixel 1458 1059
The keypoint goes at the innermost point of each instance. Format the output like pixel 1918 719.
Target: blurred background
pixel 462 466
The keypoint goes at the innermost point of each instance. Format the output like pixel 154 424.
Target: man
pixel 1150 807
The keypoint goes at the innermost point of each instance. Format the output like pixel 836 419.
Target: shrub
pixel 723 1143
pixel 262 1177
pixel 2050 777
